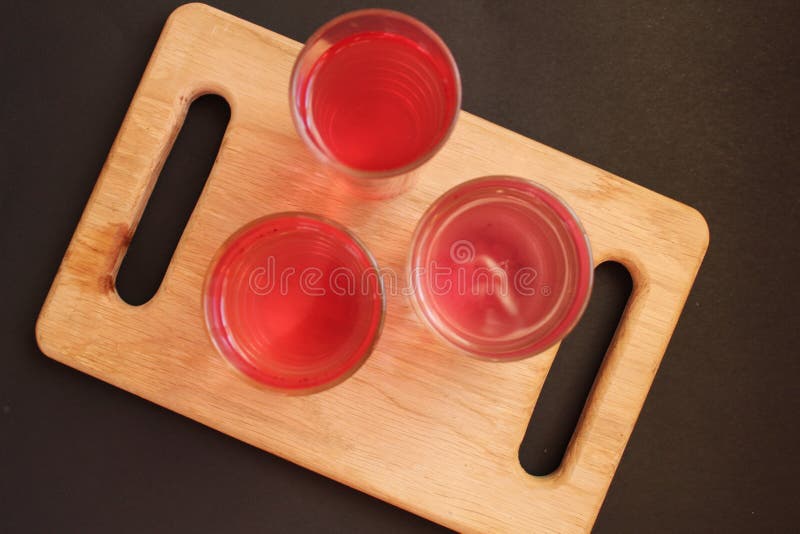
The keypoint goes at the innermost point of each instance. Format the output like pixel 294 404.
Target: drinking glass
pixel 374 94
pixel 500 268
pixel 293 301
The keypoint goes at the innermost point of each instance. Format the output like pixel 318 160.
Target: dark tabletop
pixel 695 100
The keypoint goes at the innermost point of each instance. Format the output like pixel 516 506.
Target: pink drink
pixel 501 268
pixel 374 94
pixel 378 101
pixel 294 302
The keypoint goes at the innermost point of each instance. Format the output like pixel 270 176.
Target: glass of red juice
pixel 374 94
pixel 500 267
pixel 294 301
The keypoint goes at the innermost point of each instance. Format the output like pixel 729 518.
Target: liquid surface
pixel 507 269
pixel 290 302
pixel 377 101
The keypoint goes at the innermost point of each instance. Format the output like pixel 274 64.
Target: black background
pixel 696 100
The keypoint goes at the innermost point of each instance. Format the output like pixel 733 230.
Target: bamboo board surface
pixel 418 425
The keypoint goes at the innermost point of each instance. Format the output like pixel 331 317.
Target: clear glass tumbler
pixel 374 94
pixel 294 301
pixel 500 268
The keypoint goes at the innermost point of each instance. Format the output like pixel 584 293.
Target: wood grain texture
pixel 418 425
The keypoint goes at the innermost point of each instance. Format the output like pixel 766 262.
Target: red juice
pixel 377 101
pixel 294 302
pixel 501 268
pixel 374 94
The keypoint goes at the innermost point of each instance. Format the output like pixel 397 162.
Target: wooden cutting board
pixel 418 425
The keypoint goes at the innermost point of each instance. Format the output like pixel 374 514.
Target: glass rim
pixel 328 158
pixel 516 354
pixel 242 369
